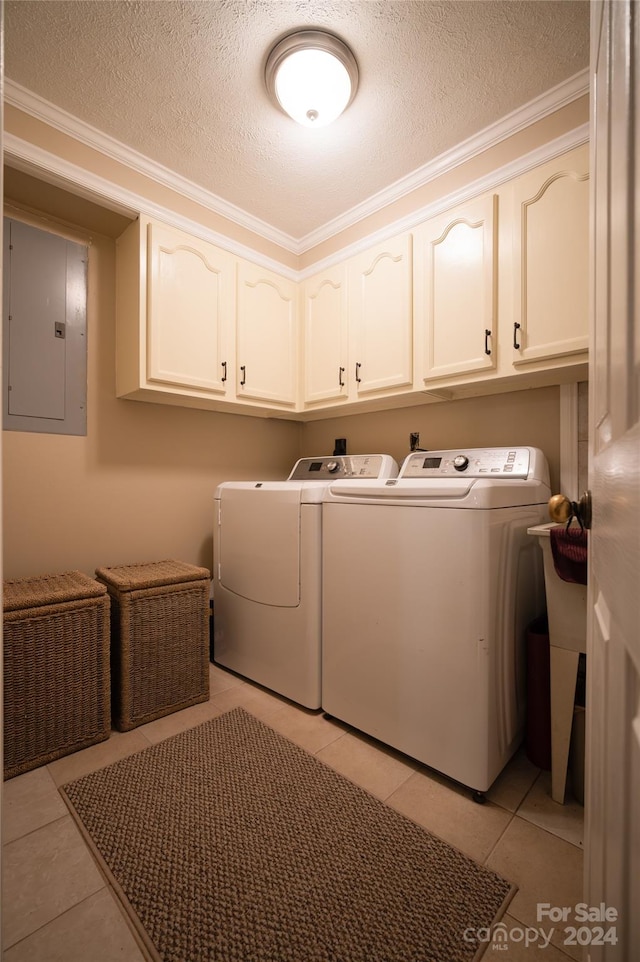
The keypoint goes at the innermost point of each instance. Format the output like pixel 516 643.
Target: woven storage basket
pixel 56 668
pixel 159 639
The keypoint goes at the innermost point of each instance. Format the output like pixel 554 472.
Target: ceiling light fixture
pixel 312 76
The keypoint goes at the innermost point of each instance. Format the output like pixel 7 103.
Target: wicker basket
pixel 159 639
pixel 56 668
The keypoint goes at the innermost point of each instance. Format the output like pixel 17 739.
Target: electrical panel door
pixel 44 346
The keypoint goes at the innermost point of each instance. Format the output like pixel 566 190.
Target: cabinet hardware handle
pixel 340 373
pixel 358 378
pixel 243 380
pixel 516 328
pixel 487 335
pixel 224 371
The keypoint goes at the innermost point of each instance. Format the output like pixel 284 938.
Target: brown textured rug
pixel 228 843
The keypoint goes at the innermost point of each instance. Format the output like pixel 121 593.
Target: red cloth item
pixel 569 547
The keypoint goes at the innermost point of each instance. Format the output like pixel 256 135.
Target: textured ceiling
pixel 182 83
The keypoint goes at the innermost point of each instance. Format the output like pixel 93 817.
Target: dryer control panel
pixel 493 463
pixel 344 466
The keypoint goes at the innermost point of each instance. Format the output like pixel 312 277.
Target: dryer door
pixel 259 553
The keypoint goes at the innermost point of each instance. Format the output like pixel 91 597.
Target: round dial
pixel 460 462
pixel 333 466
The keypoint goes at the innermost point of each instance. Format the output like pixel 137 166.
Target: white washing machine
pixel 267 572
pixel 429 583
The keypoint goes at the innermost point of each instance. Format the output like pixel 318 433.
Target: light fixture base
pixel 324 44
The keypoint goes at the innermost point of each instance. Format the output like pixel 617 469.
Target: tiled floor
pixel 57 906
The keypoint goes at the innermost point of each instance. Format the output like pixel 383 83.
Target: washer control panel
pixel 470 463
pixel 344 466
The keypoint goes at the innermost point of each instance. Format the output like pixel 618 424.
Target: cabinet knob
pixel 358 378
pixel 487 335
pixel 243 379
pixel 224 371
pixel 561 509
pixel 340 379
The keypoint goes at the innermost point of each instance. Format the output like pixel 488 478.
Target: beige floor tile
pixel 92 931
pixel 514 942
pixel 513 783
pixel 566 821
pixel 311 730
pixel 91 759
pixel 30 801
pixel 256 700
pixel 220 680
pixel 449 812
pixel 545 868
pixel 367 763
pixel 178 721
pixel 45 873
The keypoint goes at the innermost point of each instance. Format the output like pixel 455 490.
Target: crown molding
pixel 537 109
pixel 541 155
pixel 35 106
pixel 24 156
pixel 17 96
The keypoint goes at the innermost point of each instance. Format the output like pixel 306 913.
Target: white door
pixel 612 861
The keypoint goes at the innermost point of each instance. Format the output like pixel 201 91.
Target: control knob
pixel 333 466
pixel 460 462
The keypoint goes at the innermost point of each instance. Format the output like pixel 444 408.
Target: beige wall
pixel 523 418
pixel 140 485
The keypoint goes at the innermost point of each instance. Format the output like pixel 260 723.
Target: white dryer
pixel 429 583
pixel 267 572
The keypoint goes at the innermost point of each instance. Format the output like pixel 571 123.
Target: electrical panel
pixel 44 331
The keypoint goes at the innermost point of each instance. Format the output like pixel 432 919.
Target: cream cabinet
pixel 456 278
pixel 380 304
pixel 551 259
pixel 199 327
pixel 266 336
pixel 175 306
pixel 324 309
pixel 190 302
pixel 490 295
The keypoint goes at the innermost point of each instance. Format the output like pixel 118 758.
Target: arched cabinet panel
pixel 551 259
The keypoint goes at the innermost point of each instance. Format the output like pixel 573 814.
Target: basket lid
pixel 151 574
pixel 34 592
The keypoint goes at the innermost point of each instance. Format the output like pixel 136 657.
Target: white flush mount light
pixel 312 76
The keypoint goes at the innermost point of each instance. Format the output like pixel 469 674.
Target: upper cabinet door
pixel 266 335
pixel 190 305
pixel 325 335
pixel 456 289
pixel 551 259
pixel 381 315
